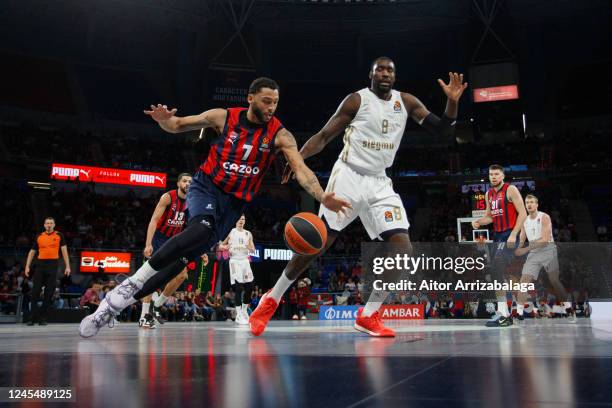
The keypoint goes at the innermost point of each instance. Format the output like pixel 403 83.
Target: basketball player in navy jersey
pixel 505 209
pixel 168 219
pixel 247 143
pixel 373 120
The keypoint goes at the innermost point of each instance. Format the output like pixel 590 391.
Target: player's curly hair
pixel 262 82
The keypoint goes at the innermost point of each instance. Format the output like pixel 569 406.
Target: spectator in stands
pixel 58 302
pixel 357 298
pixel 318 282
pixel 229 306
pixel 350 286
pixel 303 293
pixel 293 303
pixel 602 233
pixel 191 310
pixel 333 286
pixel 7 302
pixel 219 309
pixel 91 297
pixel 170 309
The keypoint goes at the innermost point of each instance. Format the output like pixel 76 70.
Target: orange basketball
pixel 305 234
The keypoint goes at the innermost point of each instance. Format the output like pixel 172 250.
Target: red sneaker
pixel 372 325
pixel 262 314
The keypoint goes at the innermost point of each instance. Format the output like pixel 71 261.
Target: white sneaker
pixel 295 317
pixel 91 324
pixel 241 317
pixel 123 295
pixel 238 316
pixel 304 317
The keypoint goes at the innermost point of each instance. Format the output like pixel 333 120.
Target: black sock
pixel 248 290
pixel 238 291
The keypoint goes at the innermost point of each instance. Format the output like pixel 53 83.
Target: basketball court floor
pixel 432 363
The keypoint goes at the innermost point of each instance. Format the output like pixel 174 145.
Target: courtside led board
pixel 89 174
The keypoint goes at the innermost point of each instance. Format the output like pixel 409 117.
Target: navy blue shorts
pixel 158 241
pixel 502 256
pixel 205 198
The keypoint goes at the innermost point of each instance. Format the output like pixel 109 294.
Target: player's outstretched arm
pixel 285 142
pixel 214 118
pixel 337 123
pixel 444 126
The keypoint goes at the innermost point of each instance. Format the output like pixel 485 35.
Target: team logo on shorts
pixel 397 106
pixel 388 216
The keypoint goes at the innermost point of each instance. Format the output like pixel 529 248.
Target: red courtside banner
pixel 88 174
pixel 496 93
pixel 112 262
pixel 402 312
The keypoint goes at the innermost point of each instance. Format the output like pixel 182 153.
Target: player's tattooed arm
pixel 213 118
pixel 335 125
pixel 285 143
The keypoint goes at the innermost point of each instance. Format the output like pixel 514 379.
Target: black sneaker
pixel 158 315
pixel 521 317
pixel 147 322
pixel 42 322
pixel 30 323
pixel 500 321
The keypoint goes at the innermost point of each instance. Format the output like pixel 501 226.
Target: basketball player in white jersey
pixel 542 253
pixel 373 120
pixel 239 242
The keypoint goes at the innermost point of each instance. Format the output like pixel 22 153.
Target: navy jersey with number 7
pixel 242 154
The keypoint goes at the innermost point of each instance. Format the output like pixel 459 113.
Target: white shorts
pixel 546 258
pixel 240 271
pixel 373 199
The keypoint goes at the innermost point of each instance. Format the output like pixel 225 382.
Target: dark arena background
pixel 83 168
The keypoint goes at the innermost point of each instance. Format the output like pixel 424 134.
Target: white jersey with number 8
pixel 374 135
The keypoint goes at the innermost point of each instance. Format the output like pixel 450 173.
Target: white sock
pixel 502 308
pixel 143 274
pixel 161 300
pixel 520 308
pixel 244 309
pixel 281 286
pixel 374 302
pixel 145 309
